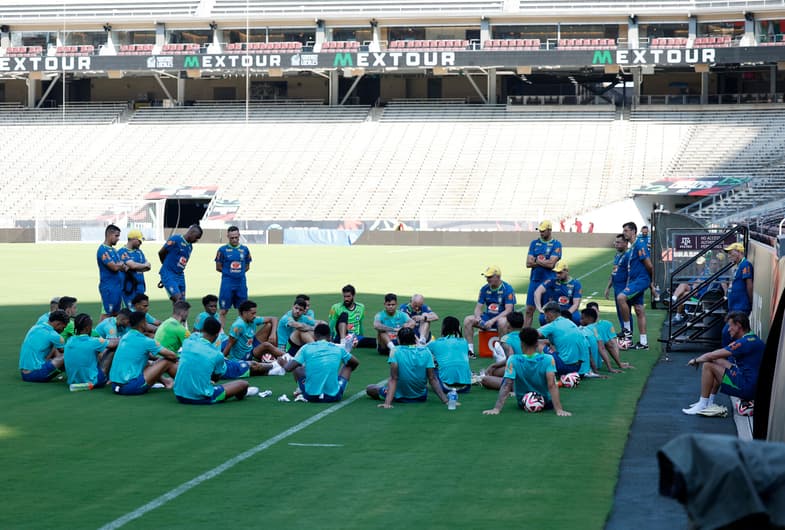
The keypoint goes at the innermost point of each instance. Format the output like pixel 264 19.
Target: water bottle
pixel 452 399
pixel 79 387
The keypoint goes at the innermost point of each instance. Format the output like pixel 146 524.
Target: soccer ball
pixel 625 344
pixel 570 380
pixel 533 402
pixel 745 408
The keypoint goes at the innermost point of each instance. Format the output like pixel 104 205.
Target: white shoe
pixel 498 352
pixel 252 391
pixel 286 357
pixel 300 397
pixel 158 385
pixel 714 410
pixel 590 375
pixel 277 369
pixel 284 398
pixel 692 411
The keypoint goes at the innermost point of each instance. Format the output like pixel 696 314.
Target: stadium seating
pixel 587 44
pixel 24 51
pixel 668 42
pixel 494 45
pixel 71 51
pixel 260 47
pixel 136 49
pixel 181 48
pixel 341 46
pixel 723 41
pixel 429 45
pixel 73 114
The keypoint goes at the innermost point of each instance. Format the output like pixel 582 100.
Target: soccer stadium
pixel 566 152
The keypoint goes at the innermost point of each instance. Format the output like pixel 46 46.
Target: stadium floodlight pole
pixel 62 67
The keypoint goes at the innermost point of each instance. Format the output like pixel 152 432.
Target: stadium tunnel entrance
pixel 182 213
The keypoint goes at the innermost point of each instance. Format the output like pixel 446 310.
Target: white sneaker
pixel 692 411
pixel 277 369
pixel 498 352
pixel 158 385
pixel 300 398
pixel 252 391
pixel 590 375
pixel 719 411
pixel 284 398
pixel 348 343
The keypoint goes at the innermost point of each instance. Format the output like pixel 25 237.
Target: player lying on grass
pixel 201 364
pixel 529 371
pixel 411 369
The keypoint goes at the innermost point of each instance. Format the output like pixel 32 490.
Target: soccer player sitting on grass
pixel 451 357
pixel 508 345
pixel 733 370
pixel 172 333
pixel 201 363
pixel 88 359
pixel 322 369
pixel 113 327
pixel 388 323
pixel 67 304
pixel 572 354
pixel 295 328
pixel 346 318
pixel 527 372
pixel 41 354
pixel 411 369
pixel 141 303
pixel 130 373
pixel 422 315
pixel 243 334
pixel 605 335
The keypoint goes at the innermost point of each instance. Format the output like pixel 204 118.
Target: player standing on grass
pixel 233 261
pixel 542 257
pixel 110 273
pixel 136 263
pixel 639 273
pixel 174 256
pixel 618 279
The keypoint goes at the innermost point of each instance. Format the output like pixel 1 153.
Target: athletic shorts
pixel 174 285
pixel 342 382
pixel 530 293
pixel 485 317
pixel 111 299
pixel 231 295
pixel 46 373
pixel 134 387
pixel 219 394
pixel 236 370
pixel 383 395
pixel 563 368
pixel 733 384
pixel 460 388
pixel 292 348
pixel 635 290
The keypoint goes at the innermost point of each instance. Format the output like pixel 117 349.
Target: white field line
pixel 186 486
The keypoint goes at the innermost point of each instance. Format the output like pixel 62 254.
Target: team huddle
pixel 130 351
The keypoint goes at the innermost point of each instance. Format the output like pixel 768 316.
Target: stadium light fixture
pixel 213 25
pixel 107 27
pixel 373 22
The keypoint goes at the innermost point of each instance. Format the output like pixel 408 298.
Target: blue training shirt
pixel 177 256
pixel 413 362
pixel 38 343
pixel 737 292
pixel 529 374
pixel 451 357
pixel 131 356
pixel 81 358
pixel 543 250
pixel 496 300
pixel 322 361
pixel 107 277
pixel 636 270
pixel 233 261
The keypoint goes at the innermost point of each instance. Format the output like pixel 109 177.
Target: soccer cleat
pixel 715 411
pixel 639 346
pixel 252 391
pixel 692 411
pixel 472 356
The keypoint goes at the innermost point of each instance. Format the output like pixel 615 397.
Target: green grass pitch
pixel 86 459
